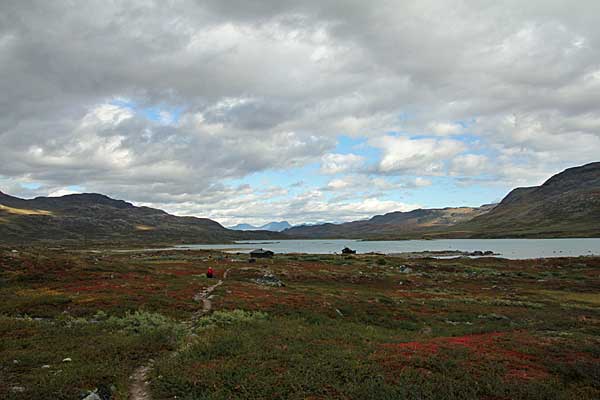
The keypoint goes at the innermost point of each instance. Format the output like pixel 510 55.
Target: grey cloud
pixel 268 85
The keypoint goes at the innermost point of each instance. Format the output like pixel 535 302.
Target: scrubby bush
pixel 220 318
pixel 147 323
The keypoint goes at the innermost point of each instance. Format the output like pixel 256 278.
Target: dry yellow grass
pixel 144 228
pixel 590 298
pixel 23 211
pixel 38 292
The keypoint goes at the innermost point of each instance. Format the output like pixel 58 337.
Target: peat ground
pixel 358 327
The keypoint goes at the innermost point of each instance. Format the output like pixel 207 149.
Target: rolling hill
pixel 391 224
pixel 93 217
pixel 271 226
pixel 566 205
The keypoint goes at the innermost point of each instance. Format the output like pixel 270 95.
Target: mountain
pixel 276 226
pixel 244 227
pixel 94 217
pixel 271 226
pixel 391 224
pixel 567 204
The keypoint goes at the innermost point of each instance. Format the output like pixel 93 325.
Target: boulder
pixel 269 279
pixel 92 396
pixel 403 269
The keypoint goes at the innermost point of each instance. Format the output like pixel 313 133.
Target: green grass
pixel 341 327
pixel 102 354
pixel 296 359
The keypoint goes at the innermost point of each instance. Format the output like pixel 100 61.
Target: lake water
pixel 507 248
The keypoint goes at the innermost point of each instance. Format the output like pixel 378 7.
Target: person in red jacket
pixel 209 273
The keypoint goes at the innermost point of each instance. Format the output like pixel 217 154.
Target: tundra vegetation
pixel 320 327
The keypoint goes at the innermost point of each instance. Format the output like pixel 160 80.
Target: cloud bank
pixel 179 105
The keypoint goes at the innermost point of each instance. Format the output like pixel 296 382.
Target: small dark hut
pixel 261 253
pixel 348 250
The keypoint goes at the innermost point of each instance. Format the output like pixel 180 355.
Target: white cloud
pixel 270 85
pixel 108 114
pixel 445 128
pixel 337 184
pixel 230 208
pixel 423 156
pixel 421 182
pixel 61 192
pixel 333 163
pixel 470 165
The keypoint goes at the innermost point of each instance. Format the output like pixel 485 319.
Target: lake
pixel 507 248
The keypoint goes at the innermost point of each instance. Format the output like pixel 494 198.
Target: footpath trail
pixel 138 389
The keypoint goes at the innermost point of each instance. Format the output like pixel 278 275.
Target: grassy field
pixel 359 327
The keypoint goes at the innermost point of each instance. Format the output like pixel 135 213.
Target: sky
pixel 307 111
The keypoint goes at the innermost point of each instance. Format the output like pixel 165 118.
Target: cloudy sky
pixel 317 110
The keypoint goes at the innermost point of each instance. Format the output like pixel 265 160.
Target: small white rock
pixel 46 366
pixel 92 396
pixel 68 359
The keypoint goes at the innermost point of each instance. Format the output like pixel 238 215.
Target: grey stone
pixel 269 280
pixel 92 396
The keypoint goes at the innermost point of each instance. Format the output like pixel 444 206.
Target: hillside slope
pixel 567 204
pixel 271 226
pixel 392 224
pixel 98 218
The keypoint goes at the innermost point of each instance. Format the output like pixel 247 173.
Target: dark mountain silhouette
pixel 566 205
pixel 96 217
pixel 271 226
pixel 391 224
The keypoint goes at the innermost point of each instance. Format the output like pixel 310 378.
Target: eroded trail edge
pixel 139 387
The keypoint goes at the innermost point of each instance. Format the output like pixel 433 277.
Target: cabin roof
pixel 260 251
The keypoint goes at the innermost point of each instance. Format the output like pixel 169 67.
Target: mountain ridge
pixel 274 226
pixel 94 217
pixel 566 205
pixel 388 224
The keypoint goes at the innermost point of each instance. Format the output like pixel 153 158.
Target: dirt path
pixel 204 297
pixel 138 389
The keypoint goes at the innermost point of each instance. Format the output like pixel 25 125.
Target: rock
pixel 493 316
pixel 269 280
pixel 458 322
pixel 17 389
pixel 92 396
pixel 403 269
pixel 68 359
pixel 46 366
